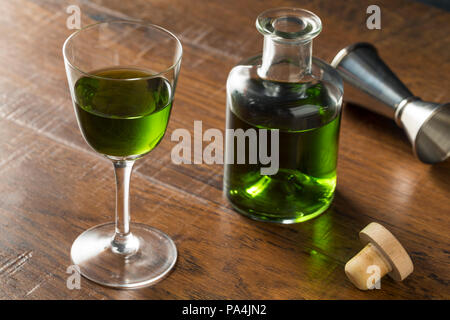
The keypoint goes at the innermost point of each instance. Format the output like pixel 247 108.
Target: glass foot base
pixel 92 253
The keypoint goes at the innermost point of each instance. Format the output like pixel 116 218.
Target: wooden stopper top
pixel 386 243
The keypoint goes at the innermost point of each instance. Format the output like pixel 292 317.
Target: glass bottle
pixel 292 103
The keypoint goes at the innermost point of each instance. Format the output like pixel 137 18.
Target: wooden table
pixel 52 186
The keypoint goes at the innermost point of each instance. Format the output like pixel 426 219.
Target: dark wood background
pixel 52 186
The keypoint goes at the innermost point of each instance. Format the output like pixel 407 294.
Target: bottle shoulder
pixel 320 72
pixel 289 106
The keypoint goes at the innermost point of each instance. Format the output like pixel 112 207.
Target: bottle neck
pixel 285 61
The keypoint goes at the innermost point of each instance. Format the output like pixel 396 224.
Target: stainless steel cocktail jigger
pixel 427 124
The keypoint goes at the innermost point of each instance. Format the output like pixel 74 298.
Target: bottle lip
pixel 289 24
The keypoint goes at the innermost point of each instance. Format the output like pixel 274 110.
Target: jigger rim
pixel 345 51
pixel 420 139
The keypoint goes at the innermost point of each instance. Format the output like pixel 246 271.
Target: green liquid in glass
pixel 120 114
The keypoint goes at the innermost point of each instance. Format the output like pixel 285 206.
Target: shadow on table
pixel 374 123
pixel 333 234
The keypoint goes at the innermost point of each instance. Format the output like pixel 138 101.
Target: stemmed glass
pixel 122 77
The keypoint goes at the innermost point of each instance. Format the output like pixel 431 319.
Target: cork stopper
pixel 382 255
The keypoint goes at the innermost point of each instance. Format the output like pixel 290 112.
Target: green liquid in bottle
pixel 121 113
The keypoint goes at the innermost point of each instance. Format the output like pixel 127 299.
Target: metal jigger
pixel 427 124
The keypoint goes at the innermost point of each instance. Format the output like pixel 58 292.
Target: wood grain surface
pixel 53 186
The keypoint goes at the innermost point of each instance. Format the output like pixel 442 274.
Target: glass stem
pixel 123 242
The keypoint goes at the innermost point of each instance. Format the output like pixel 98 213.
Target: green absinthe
pixel 307 116
pixel 122 112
